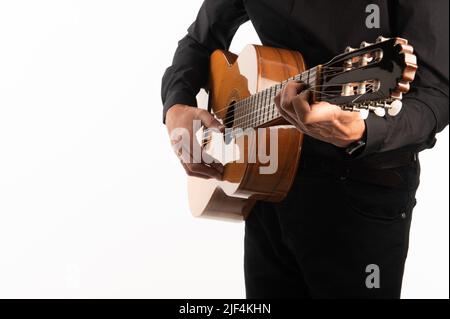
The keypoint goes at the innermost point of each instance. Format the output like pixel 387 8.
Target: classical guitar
pixel 241 95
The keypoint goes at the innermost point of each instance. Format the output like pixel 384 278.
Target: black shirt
pixel 321 29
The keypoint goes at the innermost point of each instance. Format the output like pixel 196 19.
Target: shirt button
pixel 403 215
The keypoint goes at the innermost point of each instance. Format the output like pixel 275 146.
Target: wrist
pixel 358 144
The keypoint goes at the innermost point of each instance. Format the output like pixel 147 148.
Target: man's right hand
pixel 180 125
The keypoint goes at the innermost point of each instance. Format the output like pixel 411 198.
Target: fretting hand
pixel 322 120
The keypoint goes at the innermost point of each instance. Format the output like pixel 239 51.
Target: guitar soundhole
pixel 229 123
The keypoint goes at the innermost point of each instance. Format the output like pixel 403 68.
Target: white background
pixel 92 201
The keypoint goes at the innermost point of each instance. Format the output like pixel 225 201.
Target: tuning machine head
pixel 364 113
pixel 380 111
pixel 395 107
pixel 365 44
pixel 381 39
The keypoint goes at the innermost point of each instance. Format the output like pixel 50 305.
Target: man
pixel 343 229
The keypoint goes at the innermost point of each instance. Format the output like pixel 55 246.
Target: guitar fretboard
pixel 259 109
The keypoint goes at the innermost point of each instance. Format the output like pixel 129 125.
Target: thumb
pixel 209 121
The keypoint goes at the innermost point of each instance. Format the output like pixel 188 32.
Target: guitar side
pixel 232 79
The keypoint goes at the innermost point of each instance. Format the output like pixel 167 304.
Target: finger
pixel 348 117
pixel 209 121
pixel 287 116
pixel 277 100
pixel 211 161
pixel 282 112
pixel 184 154
pixel 301 105
pixel 318 112
pixel 192 174
pixel 289 92
pixel 218 167
pixel 283 97
pixel 194 163
pixel 200 168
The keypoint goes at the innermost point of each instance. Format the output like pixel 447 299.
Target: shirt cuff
pixel 178 97
pixel 376 133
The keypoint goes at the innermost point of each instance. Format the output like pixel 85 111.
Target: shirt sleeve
pixel 214 28
pixel 425 109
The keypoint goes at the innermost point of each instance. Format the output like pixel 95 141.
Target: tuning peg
pixel 349 49
pixel 365 44
pixel 381 39
pixel 364 114
pixel 380 111
pixel 395 108
pixel 401 41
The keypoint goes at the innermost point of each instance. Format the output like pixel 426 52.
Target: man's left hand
pixel 322 120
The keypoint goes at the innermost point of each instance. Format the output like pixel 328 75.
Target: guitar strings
pixel 230 132
pixel 247 99
pixel 254 121
pixel 267 110
pixel 255 110
pixel 265 98
pixel 262 96
pixel 312 72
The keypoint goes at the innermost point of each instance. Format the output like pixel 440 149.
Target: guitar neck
pixel 259 109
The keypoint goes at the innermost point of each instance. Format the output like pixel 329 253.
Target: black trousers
pixel 342 232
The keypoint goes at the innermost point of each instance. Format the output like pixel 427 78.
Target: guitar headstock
pixel 371 78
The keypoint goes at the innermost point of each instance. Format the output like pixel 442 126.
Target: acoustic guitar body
pixel 247 178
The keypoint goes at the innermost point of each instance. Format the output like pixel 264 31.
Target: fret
pixel 272 101
pixel 239 114
pixel 262 107
pixel 247 114
pixel 273 110
pixel 269 99
pixel 245 117
pixel 252 110
pixel 266 101
pixel 236 114
pixel 263 103
pixel 256 114
pixel 256 111
pixel 244 112
pixel 264 113
pixel 263 99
